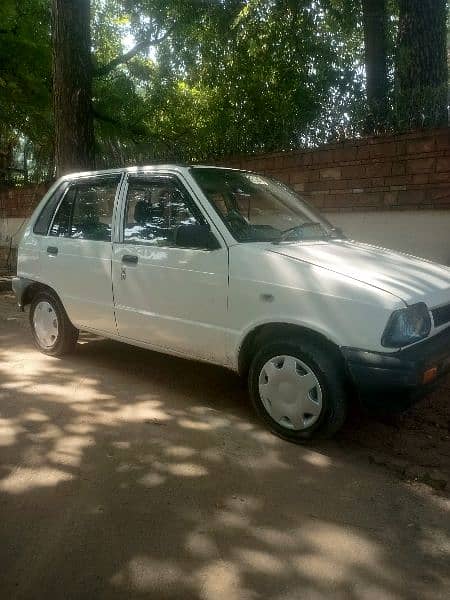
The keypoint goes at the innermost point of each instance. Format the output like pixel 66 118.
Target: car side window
pixel 61 223
pixel 155 209
pixel 44 219
pixel 86 210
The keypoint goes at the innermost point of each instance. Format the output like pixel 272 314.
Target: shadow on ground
pixel 128 474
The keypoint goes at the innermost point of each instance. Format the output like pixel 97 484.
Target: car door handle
pixel 130 259
pixel 53 250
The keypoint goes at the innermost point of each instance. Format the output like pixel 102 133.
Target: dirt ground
pixel 128 474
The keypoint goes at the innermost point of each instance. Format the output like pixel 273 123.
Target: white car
pixel 235 269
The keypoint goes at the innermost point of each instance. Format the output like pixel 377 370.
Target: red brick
pixel 307 159
pixel 421 165
pixel 420 179
pixel 276 162
pixel 339 184
pixel 442 202
pixel 378 169
pixel 383 149
pixel 358 183
pixel 390 199
pixel 292 161
pixel 398 168
pixel 369 199
pixel 313 174
pixel 346 154
pixel 440 195
pixel 398 180
pixel 443 140
pixel 439 177
pixel 322 156
pixel 400 147
pixel 299 177
pixel 411 197
pixel 420 146
pixel 317 186
pixel 443 164
pixel 352 172
pixel 330 173
pixel 363 152
pixel 336 202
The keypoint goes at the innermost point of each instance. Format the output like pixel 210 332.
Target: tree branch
pixel 124 58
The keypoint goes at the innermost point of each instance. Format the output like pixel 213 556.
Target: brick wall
pixel 410 171
pixel 20 202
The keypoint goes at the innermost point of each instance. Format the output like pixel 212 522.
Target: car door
pixel 76 253
pixel 169 292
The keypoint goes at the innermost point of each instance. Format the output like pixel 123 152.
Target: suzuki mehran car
pixel 233 268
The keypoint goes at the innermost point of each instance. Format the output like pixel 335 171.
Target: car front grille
pixel 441 315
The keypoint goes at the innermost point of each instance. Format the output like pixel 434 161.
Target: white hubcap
pixel 290 392
pixel 45 324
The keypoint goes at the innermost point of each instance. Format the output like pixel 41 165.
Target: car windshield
pixel 258 209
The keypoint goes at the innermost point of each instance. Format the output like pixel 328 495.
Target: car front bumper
pixel 396 380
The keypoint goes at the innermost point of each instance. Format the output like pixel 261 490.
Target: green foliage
pixel 227 76
pixel 240 76
pixel 25 78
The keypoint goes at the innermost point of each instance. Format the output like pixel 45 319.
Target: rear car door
pixel 76 253
pixel 169 292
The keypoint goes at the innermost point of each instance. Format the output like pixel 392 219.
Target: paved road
pixel 126 474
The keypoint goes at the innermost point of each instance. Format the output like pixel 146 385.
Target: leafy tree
pixel 198 79
pixel 25 83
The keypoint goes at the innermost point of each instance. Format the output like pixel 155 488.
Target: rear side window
pixel 61 223
pixel 43 221
pixel 86 210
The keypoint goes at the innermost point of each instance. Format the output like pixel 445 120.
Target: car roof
pixel 151 167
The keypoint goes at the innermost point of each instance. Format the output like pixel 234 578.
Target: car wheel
pixel 298 389
pixel 53 333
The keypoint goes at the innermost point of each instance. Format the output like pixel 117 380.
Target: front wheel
pixel 298 389
pixel 53 333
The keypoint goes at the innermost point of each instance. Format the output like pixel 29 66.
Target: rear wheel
pixel 298 389
pixel 53 333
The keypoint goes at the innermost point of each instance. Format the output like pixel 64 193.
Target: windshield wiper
pixel 287 234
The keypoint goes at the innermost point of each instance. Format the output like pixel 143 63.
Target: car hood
pixel 409 278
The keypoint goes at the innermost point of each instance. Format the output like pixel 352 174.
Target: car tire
pixel 52 331
pixel 305 381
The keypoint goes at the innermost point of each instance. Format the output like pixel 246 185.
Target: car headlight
pixel 406 326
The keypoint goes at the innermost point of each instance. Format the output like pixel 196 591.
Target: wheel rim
pixel 45 323
pixel 290 392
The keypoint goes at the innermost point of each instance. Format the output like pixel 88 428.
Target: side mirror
pixel 195 235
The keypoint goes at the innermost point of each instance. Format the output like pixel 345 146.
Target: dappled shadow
pixel 128 474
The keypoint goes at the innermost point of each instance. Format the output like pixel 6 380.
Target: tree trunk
pixel 421 69
pixel 72 86
pixel 376 50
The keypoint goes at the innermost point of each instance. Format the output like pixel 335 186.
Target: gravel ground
pixel 128 474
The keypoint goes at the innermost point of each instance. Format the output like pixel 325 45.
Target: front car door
pixel 76 251
pixel 167 295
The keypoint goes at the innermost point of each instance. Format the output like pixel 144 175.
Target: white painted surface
pixel 341 289
pixel 305 294
pixel 173 298
pixel 424 233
